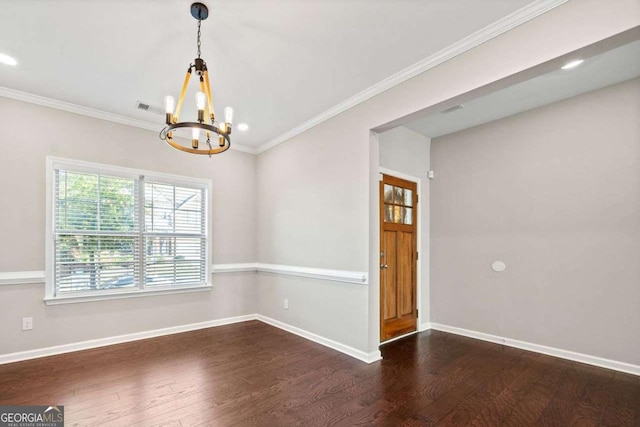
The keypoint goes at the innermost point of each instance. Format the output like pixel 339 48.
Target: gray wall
pixel 555 194
pixel 310 213
pixel 406 151
pixel 317 192
pixel 30 133
pixel 312 202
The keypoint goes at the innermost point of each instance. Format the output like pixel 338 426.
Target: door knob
pixel 383 266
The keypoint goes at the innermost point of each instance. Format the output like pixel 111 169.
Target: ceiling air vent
pixel 144 106
pixel 452 109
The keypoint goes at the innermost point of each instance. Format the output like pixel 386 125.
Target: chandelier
pixel 206 123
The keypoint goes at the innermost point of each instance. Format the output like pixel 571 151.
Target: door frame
pixel 418 181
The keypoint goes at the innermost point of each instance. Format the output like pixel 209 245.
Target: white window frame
pixel 54 163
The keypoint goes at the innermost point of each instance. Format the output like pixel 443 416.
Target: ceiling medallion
pixel 206 123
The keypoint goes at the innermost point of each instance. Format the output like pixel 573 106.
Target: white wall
pixel 403 150
pixel 555 194
pixel 30 133
pixel 317 198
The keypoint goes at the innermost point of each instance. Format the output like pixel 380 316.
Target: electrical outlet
pixel 286 304
pixel 27 323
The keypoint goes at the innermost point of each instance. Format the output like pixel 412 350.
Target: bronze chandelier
pixel 206 121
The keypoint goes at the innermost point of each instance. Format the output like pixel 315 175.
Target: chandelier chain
pixel 199 23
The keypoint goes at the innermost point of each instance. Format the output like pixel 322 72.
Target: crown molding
pixel 495 29
pixel 31 98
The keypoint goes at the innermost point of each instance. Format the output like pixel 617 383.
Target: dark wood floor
pixel 253 374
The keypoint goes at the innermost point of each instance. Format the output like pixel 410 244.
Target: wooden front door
pixel 398 257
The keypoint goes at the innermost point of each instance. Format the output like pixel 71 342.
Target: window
pixel 398 204
pixel 124 232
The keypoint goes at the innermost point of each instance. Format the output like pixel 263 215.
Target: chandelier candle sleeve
pixel 205 119
pixel 195 136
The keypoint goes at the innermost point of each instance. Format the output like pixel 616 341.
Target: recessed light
pixel 243 127
pixel 572 64
pixel 7 60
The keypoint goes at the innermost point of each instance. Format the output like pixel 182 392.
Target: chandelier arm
pixel 185 85
pixel 208 93
pixel 206 109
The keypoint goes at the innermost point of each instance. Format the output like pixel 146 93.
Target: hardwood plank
pixel 590 407
pixel 254 374
pixel 559 410
pixel 623 408
pixel 466 412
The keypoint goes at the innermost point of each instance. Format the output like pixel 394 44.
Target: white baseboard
pixel 101 342
pixel 425 327
pixel 550 351
pixel 350 351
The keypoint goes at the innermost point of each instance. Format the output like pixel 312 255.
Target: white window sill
pixel 72 299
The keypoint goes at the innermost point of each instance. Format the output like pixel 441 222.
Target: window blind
pixel 174 234
pixel 122 233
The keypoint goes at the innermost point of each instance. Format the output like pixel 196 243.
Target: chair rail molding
pixel 345 276
pixel 356 277
pixel 21 277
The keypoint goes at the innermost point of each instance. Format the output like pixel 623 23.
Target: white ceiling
pixel 277 62
pixel 611 67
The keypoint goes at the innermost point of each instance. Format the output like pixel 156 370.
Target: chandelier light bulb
pixel 195 133
pixel 201 99
pixel 228 115
pixel 169 104
pixel 169 108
